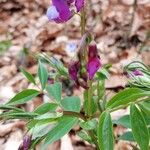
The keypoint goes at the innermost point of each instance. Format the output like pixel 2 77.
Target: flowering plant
pixel 52 120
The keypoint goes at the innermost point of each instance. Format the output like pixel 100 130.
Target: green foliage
pixel 50 121
pixel 126 96
pixel 139 127
pixel 63 127
pixel 55 63
pixel 23 97
pixel 93 103
pixel 46 107
pixel 28 76
pixel 4 45
pixel 89 125
pixel 123 121
pixel 43 75
pixel 71 104
pixel 105 132
pixel 54 91
pixel 83 135
pixel 127 136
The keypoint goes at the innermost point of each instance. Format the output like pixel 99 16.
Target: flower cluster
pixel 133 73
pixel 60 10
pixel 92 67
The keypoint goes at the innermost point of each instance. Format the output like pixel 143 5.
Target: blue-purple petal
pixel 137 73
pixel 52 13
pixel 79 4
pixel 73 70
pixel 63 9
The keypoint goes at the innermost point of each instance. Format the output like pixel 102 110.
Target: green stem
pixel 89 105
pixel 99 97
pixel 83 21
pixel 94 139
pixel 83 25
pixel 89 98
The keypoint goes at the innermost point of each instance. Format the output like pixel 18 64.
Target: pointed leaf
pixel 105 132
pixel 62 128
pixel 139 128
pixel 126 96
pixel 46 107
pixel 23 97
pixel 43 75
pixel 28 76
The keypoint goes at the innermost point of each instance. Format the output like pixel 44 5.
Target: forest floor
pixel 120 28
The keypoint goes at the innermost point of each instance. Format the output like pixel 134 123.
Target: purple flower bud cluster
pixel 92 67
pixel 134 73
pixel 60 10
pixel 137 73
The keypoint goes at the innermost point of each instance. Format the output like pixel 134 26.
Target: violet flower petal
pixel 93 66
pixel 92 51
pixel 63 9
pixel 52 13
pixel 73 70
pixel 137 73
pixel 26 142
pixel 79 4
pixel 69 2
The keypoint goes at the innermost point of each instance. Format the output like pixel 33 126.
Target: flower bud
pixel 26 142
pixel 93 61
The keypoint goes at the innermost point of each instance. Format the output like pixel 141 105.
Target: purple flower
pixel 133 73
pixel 137 73
pixel 26 142
pixel 73 70
pixel 93 61
pixel 79 4
pixel 60 10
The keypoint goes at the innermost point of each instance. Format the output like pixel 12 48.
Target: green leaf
pixel 62 128
pixel 43 74
pixel 44 108
pixel 49 115
pixel 123 121
pixel 8 107
pixel 103 74
pixel 28 75
pixel 71 103
pixel 83 135
pixel 126 96
pixel 18 115
pixel 4 45
pixel 145 106
pixel 54 91
pixel 127 136
pixel 40 130
pixel 105 132
pixel 23 97
pixel 89 125
pixel 42 119
pixel 139 128
pixel 145 115
pixel 55 63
